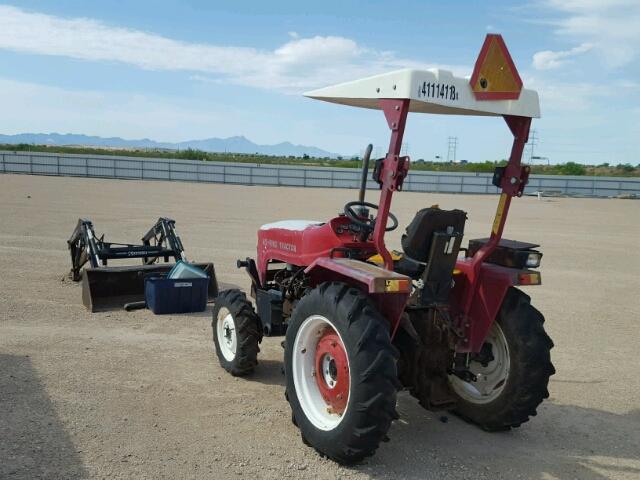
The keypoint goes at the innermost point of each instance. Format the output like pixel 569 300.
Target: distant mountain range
pixel 232 144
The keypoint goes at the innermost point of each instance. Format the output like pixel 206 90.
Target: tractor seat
pixel 408 266
pixel 418 237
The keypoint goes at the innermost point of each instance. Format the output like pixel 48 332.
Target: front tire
pixel 236 332
pixel 514 381
pixel 341 372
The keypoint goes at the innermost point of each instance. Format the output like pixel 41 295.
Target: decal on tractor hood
pixel 287 247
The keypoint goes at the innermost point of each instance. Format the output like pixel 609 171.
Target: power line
pixel 451 149
pixel 533 140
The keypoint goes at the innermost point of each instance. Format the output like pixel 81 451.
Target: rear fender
pixel 389 291
pixel 493 283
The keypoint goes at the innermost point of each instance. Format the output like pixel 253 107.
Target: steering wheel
pixel 369 223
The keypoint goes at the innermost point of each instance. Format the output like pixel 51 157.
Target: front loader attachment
pixel 111 287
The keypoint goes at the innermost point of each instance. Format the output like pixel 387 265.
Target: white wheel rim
pixel 304 373
pixel 226 331
pixel 492 379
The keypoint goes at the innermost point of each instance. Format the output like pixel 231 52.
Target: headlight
pixel 509 253
pixel 533 259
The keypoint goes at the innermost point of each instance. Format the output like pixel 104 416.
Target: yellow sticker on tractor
pixel 396 285
pixel 499 213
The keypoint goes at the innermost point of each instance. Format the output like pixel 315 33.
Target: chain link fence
pixel 98 166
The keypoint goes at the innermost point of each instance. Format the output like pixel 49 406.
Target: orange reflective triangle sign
pixel 495 76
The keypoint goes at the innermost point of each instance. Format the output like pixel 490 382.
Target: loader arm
pixel 106 287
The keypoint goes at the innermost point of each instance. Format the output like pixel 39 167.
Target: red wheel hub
pixel 332 371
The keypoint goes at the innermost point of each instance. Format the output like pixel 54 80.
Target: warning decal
pixel 495 76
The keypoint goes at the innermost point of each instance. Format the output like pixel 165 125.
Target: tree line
pixel 568 168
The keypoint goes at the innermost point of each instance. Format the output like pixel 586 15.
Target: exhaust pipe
pixel 365 172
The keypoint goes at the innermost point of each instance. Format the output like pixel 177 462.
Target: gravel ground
pixel 133 395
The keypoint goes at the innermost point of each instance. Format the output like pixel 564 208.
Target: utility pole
pixel 537 157
pixel 404 149
pixel 533 139
pixel 451 149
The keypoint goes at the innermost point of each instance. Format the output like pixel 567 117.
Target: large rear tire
pixel 236 332
pixel 512 384
pixel 341 372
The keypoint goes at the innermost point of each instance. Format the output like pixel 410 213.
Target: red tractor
pixel 447 323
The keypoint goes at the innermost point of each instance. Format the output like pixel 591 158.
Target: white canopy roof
pixel 430 91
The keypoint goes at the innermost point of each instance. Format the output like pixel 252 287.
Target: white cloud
pixel 564 97
pixel 299 64
pixel 611 26
pixel 568 97
pixel 548 59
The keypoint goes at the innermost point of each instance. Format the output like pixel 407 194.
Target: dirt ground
pixel 133 395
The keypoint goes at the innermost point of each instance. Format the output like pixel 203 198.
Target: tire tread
pixel 533 359
pixel 248 332
pixel 376 382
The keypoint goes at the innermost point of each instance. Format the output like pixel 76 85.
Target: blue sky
pixel 180 70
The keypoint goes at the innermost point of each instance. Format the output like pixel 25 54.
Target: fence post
pixel 305 177
pixel 224 174
pixel 4 167
pixel 278 174
pixel 31 164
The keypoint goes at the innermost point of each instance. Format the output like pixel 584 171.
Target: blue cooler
pixel 175 295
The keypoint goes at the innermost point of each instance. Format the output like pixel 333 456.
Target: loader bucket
pixel 109 288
